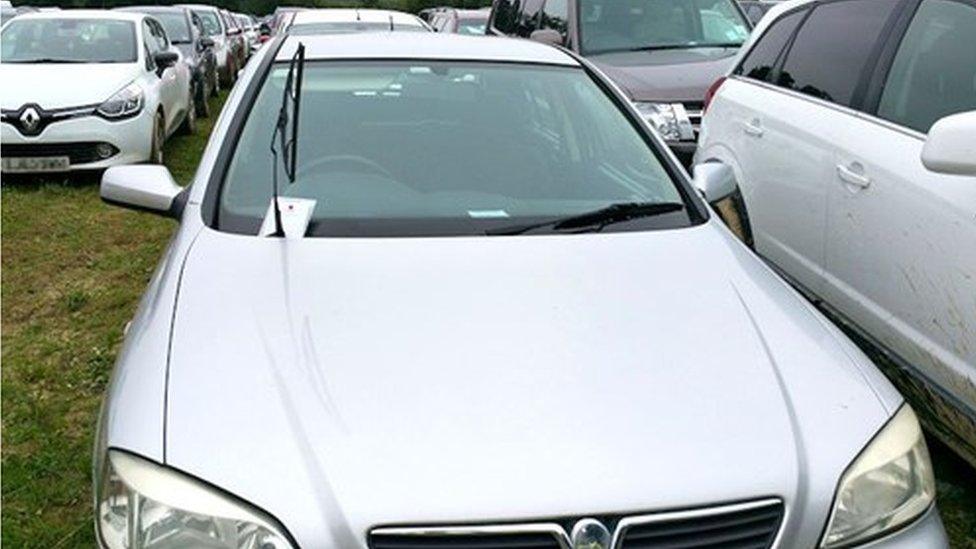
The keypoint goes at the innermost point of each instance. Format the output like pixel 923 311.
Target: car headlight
pixel 889 485
pixel 144 505
pixel 127 102
pixel 669 119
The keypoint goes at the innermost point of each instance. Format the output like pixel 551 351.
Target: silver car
pixel 468 298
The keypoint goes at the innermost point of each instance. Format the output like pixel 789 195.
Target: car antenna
pixel 357 15
pixel 289 145
pixel 391 22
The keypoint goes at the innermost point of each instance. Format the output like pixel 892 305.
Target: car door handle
pixel 851 177
pixel 753 128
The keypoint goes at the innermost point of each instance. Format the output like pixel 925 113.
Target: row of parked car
pixel 471 268
pixel 469 297
pixel 86 89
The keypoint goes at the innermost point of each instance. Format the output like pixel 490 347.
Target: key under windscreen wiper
pixel 596 220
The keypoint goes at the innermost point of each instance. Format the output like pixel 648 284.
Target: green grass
pixel 72 272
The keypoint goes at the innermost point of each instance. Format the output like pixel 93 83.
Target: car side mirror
pixel 145 188
pixel 550 37
pixel 265 29
pixel 951 145
pixel 715 181
pixel 164 60
pixel 206 42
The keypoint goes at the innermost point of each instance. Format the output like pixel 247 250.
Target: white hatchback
pixel 89 89
pixel 851 129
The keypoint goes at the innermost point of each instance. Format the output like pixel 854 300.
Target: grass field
pixel 72 272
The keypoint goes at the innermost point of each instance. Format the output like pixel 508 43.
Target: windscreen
pixel 474 26
pixel 68 41
pixel 210 23
pixel 176 25
pixel 625 25
pixel 417 148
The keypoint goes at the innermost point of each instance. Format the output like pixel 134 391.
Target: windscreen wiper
pixel 596 220
pixel 686 46
pixel 292 96
pixel 51 60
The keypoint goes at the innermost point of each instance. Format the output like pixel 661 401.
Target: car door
pixel 901 253
pixel 167 81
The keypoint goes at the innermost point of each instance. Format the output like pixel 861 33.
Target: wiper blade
pixel 51 60
pixel 689 46
pixel 596 220
pixel 291 97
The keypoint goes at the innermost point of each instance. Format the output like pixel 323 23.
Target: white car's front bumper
pixel 77 138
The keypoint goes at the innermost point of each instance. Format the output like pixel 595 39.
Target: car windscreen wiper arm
pixel 595 220
pixel 50 60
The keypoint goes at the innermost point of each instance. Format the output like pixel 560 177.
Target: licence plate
pixel 35 164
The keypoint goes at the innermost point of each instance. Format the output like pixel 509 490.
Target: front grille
pixel 747 526
pixel 751 525
pixel 469 541
pixel 77 153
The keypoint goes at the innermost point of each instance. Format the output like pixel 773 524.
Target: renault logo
pixel 590 534
pixel 29 119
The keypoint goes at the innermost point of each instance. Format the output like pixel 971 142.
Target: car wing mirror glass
pixel 951 145
pixel 715 181
pixel 164 60
pixel 144 188
pixel 551 37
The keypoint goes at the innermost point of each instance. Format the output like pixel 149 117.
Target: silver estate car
pixel 467 298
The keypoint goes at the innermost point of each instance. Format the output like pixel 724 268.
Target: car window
pixel 528 18
pixel 68 41
pixel 472 26
pixel 505 15
pixel 631 25
pixel 159 34
pixel 934 71
pixel 512 143
pixel 832 48
pixel 176 26
pixel 555 15
pixel 761 60
pixel 211 25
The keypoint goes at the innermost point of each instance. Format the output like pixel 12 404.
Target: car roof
pixel 152 9
pixel 199 7
pixel 425 46
pixel 353 15
pixel 84 14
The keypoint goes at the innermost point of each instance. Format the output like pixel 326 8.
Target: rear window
pixel 424 148
pixel 833 47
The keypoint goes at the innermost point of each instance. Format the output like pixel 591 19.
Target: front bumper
pixel 926 532
pixel 131 138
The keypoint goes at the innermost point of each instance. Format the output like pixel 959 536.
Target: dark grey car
pixel 184 29
pixel 665 54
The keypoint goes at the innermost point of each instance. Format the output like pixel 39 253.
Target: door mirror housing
pixel 206 42
pixel 265 29
pixel 715 181
pixel 951 145
pixel 550 37
pixel 164 60
pixel 144 188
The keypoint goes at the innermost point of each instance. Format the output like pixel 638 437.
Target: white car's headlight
pixel 127 102
pixel 144 505
pixel 890 484
pixel 669 119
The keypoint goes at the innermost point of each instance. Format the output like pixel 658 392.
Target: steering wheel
pixel 351 159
